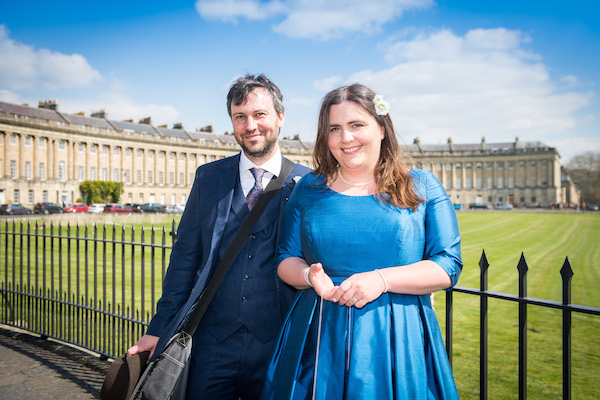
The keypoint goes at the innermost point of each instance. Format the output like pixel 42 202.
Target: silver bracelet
pixel 306 271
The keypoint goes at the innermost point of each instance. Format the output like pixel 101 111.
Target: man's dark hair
pixel 239 90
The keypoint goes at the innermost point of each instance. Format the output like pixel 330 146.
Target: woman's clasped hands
pixel 356 291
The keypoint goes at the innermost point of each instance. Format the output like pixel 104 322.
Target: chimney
pixel 178 125
pixel 48 104
pixel 516 143
pixel 450 144
pixel 417 142
pixel 207 128
pixel 99 114
pixel 80 113
pixel 483 143
pixel 145 121
pixel 162 126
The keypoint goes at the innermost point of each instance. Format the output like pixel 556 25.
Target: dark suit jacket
pixel 199 237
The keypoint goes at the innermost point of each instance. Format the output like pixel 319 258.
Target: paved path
pixel 32 368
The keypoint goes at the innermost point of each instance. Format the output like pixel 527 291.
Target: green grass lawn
pixel 545 239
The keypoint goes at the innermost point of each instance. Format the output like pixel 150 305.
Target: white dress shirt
pixel 272 168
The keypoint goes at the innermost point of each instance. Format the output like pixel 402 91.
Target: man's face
pixel 256 125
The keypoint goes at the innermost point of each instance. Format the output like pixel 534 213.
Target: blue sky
pixel 460 69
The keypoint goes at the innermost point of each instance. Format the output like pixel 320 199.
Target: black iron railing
pixel 96 287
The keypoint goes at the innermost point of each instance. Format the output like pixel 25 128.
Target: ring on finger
pixel 354 298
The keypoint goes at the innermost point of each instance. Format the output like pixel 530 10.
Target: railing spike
pixel 566 271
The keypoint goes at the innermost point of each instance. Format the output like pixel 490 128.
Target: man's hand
pixel 146 342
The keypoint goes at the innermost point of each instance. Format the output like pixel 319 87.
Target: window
pixel 511 165
pixel 448 166
pixel 117 150
pixel 500 199
pixel 191 179
pixel 42 143
pixel 533 164
pixel 93 148
pixel 13 169
pixel 27 141
pixel 448 183
pixel 30 197
pixel 81 147
pixel 479 183
pixel 105 174
pixel 152 199
pixel 62 144
pixel 62 171
pixel 500 183
pixel 171 178
pixel 469 183
pixel 139 177
pixel 149 177
pixel 127 174
pixel 478 165
pixel 161 176
pixel 489 166
pixel 500 165
pixel 192 157
pixel 171 156
pixel 28 170
pixel 490 184
pixel 80 175
pixel 458 183
pixel 44 196
pixel 202 160
pixel 128 151
pixel 116 175
pixel 141 198
pixel 42 171
pixel 162 198
pixel 522 164
pixel 181 179
pixel 544 164
pixel 161 155
pixel 511 182
pixel 183 199
pixel 468 166
pixel 93 173
pixel 17 196
pixel 533 181
pixel 173 198
pixel 151 154
pixel 13 140
pixel 458 165
pixel 130 198
pixel 139 152
pixel 104 149
pixel 181 156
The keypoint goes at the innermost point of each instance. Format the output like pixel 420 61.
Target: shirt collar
pixel 273 165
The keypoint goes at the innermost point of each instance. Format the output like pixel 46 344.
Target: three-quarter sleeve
pixel 442 237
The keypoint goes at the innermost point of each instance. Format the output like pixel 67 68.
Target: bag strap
pixel 235 247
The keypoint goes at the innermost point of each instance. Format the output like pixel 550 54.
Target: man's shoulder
pixel 300 170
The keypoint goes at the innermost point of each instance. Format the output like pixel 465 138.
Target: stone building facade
pixel 45 154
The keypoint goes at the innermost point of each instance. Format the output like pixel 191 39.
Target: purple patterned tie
pixel 257 189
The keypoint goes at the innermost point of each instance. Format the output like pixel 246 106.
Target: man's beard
pixel 265 150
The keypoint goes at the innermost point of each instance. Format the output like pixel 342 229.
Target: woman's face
pixel 354 138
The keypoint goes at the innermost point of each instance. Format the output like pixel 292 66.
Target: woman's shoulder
pixel 310 180
pixel 426 182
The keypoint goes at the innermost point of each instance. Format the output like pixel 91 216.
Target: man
pixel 235 340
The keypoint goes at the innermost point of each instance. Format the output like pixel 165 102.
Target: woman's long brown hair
pixel 394 185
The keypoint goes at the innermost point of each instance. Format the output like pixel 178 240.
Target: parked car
pixel 458 207
pixel 153 208
pixel 591 207
pixel 117 208
pixel 475 206
pixel 14 209
pixel 173 210
pixel 77 208
pixel 96 208
pixel 503 206
pixel 136 208
pixel 47 208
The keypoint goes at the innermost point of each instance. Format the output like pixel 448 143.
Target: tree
pixel 584 170
pixel 100 191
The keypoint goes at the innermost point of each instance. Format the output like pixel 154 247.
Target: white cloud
pixel 232 10
pixel 327 84
pixel 121 107
pixel 484 83
pixel 10 97
pixel 321 19
pixel 22 67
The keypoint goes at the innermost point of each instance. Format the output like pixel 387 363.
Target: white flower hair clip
pixel 382 107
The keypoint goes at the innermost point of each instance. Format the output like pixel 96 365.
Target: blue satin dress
pixel 390 349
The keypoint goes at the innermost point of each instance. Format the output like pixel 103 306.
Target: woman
pixel 368 239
